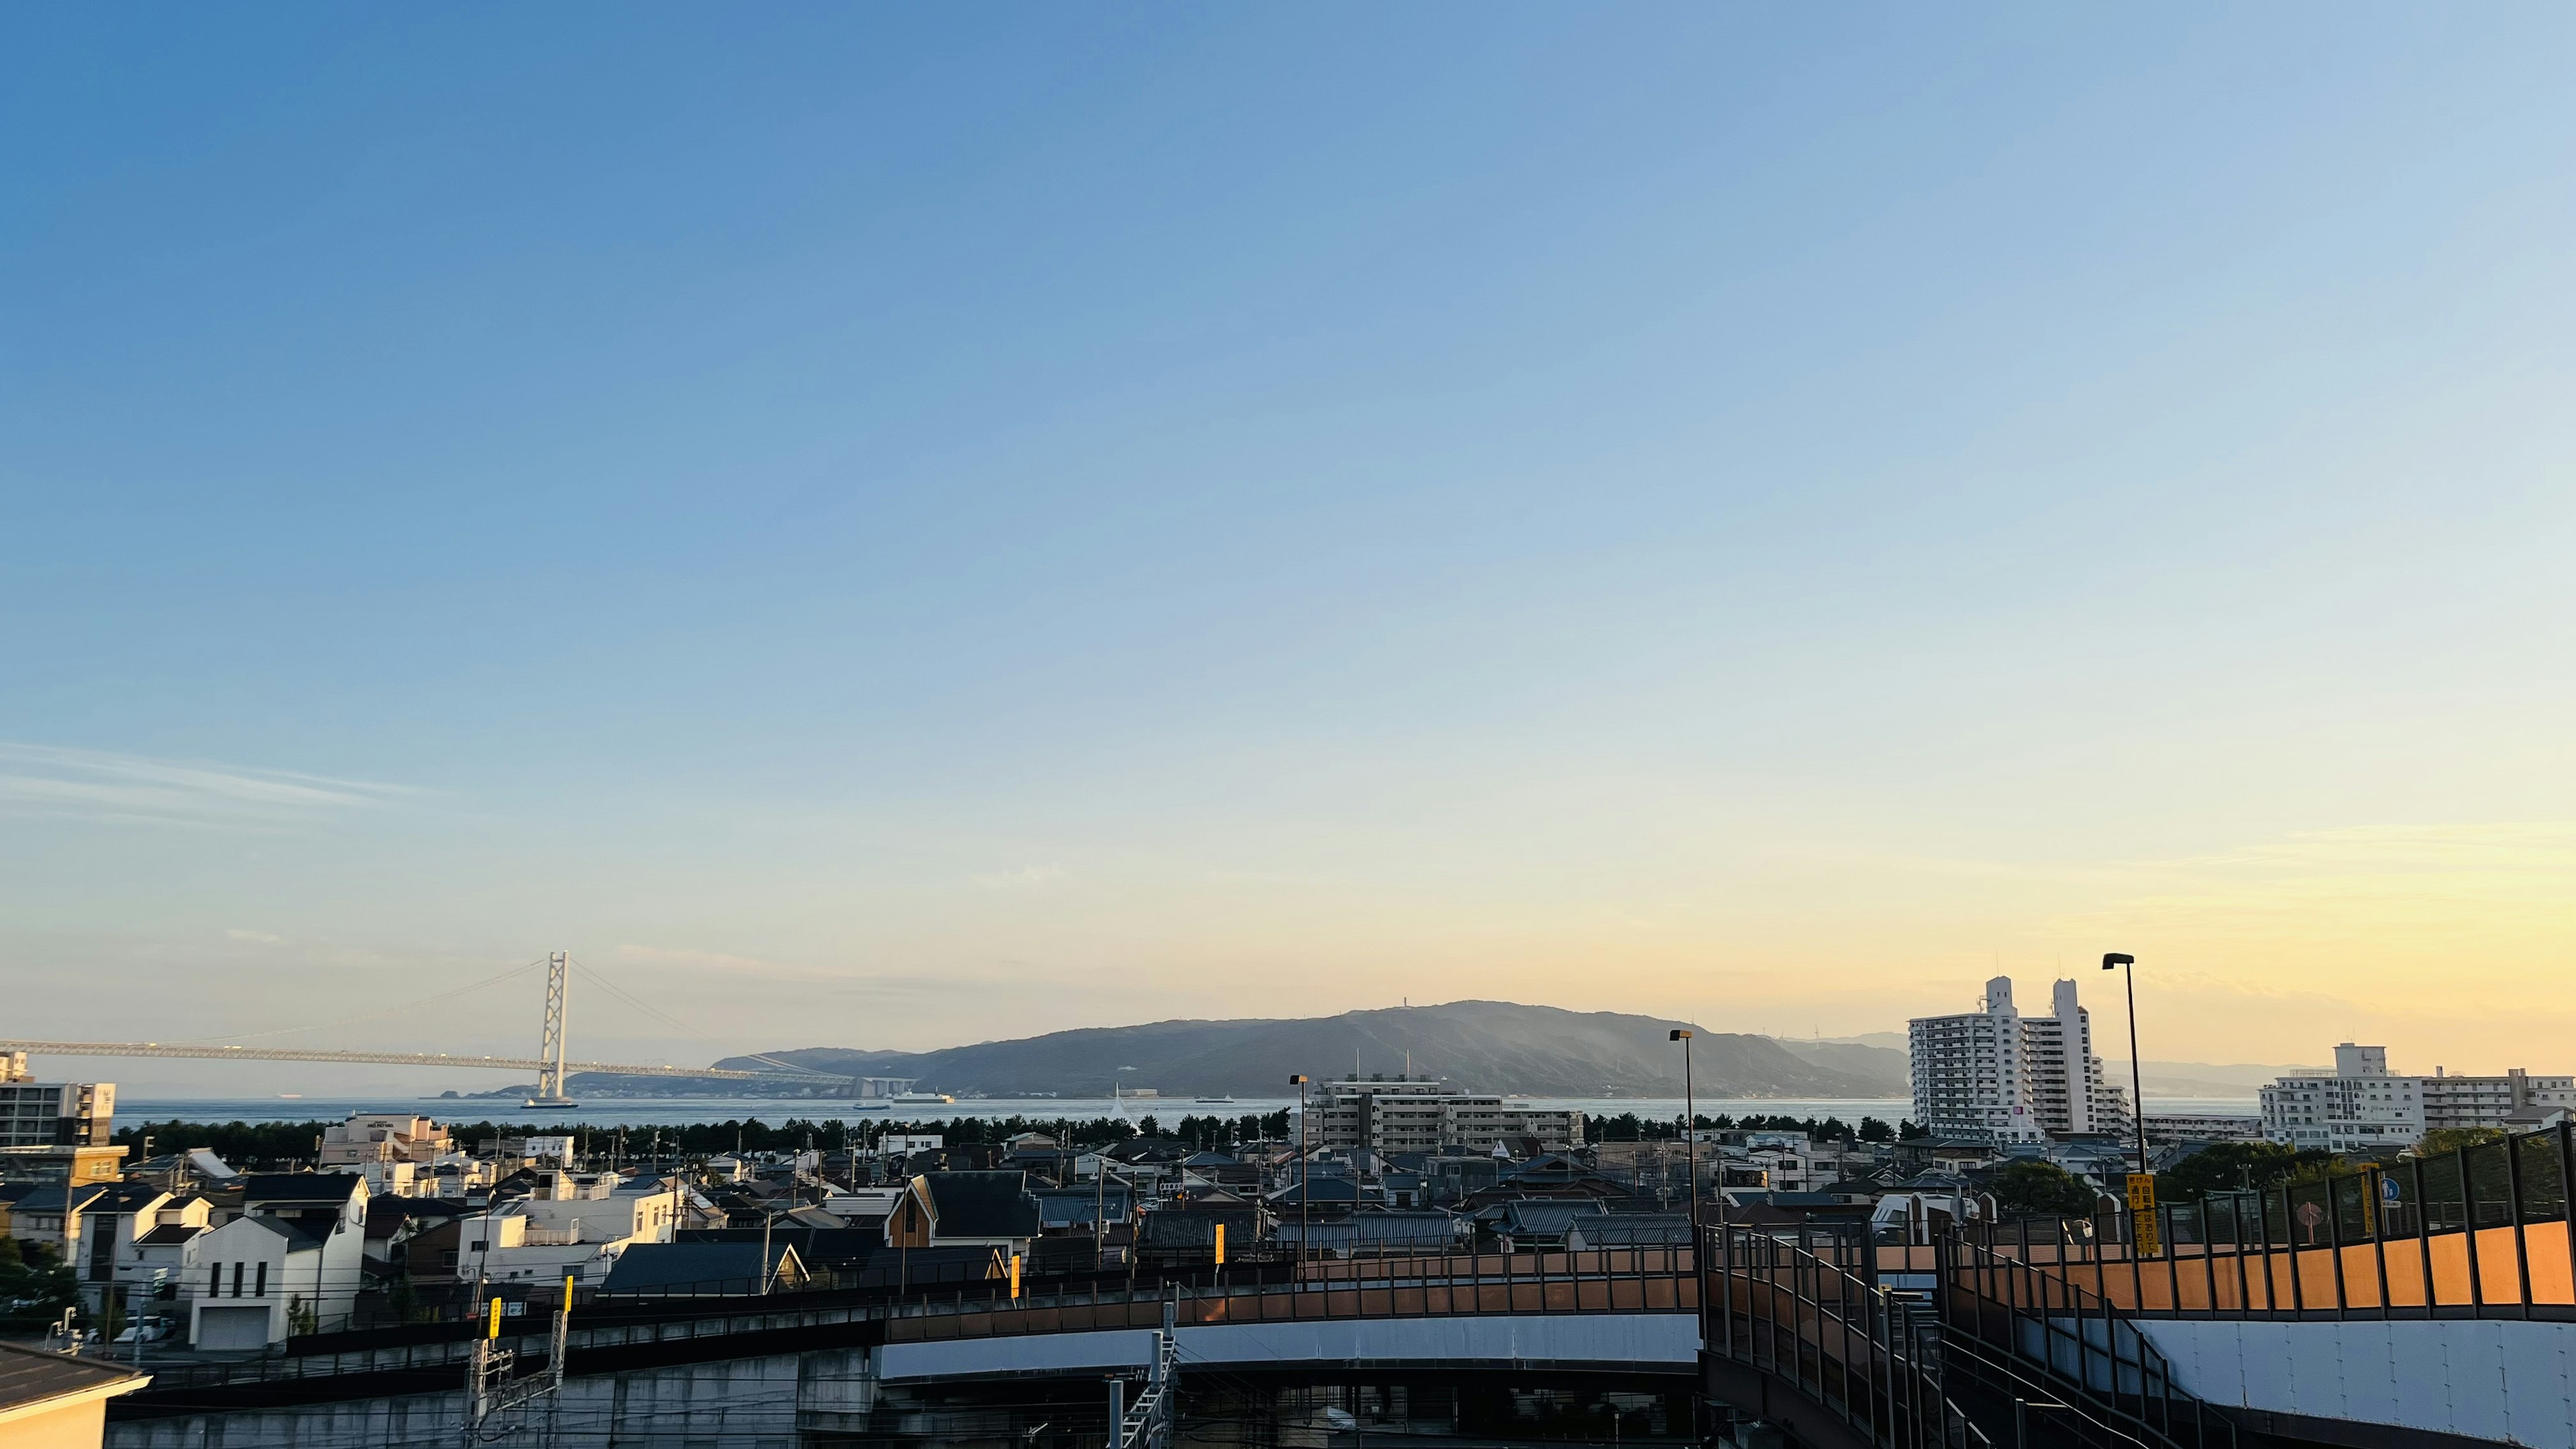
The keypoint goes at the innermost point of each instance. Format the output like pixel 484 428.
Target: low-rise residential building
pixel 114 1220
pixel 383 1138
pixel 965 1209
pixel 56 1216
pixel 548 1151
pixel 1186 1236
pixel 2471 1101
pixel 1382 1234
pixel 1080 1210
pixel 398 1178
pixel 159 1249
pixel 688 1270
pixel 292 1262
pixel 2203 1127
pixel 569 1226
pixel 2362 1106
pixel 1595 1232
pixel 58 1166
pixel 262 1280
pixel 1408 1114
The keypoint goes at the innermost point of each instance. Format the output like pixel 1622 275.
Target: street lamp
pixel 1305 1173
pixel 1690 1122
pixel 2137 1078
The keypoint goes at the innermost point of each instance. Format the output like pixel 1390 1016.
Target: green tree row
pixel 1629 1127
pixel 259 1145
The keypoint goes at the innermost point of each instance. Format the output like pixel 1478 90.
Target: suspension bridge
pixel 550 1065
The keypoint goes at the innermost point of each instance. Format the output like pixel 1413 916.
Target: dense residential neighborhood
pixel 391 1218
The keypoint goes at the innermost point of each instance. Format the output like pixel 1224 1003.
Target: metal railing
pixel 2023 1328
pixel 2481 1232
pixel 1609 1280
pixel 1823 1326
pixel 1635 1280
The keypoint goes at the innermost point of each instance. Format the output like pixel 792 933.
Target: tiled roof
pixel 982 1204
pixel 271 1187
pixel 703 1267
pixel 31 1376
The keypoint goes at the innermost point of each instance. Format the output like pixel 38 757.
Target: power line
pixel 600 979
pixel 373 1015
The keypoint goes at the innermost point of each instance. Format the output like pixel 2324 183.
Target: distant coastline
pixel 651 1111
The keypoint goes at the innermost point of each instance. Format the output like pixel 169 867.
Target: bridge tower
pixel 550 1046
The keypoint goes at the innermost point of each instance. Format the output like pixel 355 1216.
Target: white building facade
pixel 2364 1107
pixel 52 1114
pixel 1416 1115
pixel 1997 1075
pixel 381 1138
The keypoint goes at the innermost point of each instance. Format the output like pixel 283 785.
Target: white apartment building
pixel 382 1137
pixel 574 1226
pixel 2364 1107
pixel 2491 1101
pixel 1424 1115
pixel 2359 1108
pixel 52 1114
pixel 1998 1076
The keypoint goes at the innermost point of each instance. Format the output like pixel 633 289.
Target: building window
pixel 214 1280
pixel 237 1279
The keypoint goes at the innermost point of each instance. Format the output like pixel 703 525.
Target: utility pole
pixel 1305 1173
pixel 491 1385
pixel 1100 1209
pixel 1690 1131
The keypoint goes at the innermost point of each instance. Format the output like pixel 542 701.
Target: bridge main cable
pixel 399 1059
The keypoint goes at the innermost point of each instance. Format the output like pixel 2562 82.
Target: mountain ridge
pixel 1486 1046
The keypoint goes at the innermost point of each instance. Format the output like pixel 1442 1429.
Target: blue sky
pixel 889 528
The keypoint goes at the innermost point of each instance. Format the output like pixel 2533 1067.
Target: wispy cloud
pixel 1027 877
pixel 262 938
pixel 99 785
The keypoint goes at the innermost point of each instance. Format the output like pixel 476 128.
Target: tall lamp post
pixel 1305 1176
pixel 2137 1080
pixel 1690 1126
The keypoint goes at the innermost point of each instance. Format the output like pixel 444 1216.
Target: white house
pixel 152 1246
pixel 292 1263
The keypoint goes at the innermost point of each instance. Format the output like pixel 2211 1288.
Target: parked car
pixel 148 1330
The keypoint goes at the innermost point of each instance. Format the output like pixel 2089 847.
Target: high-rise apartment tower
pixel 1998 1076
